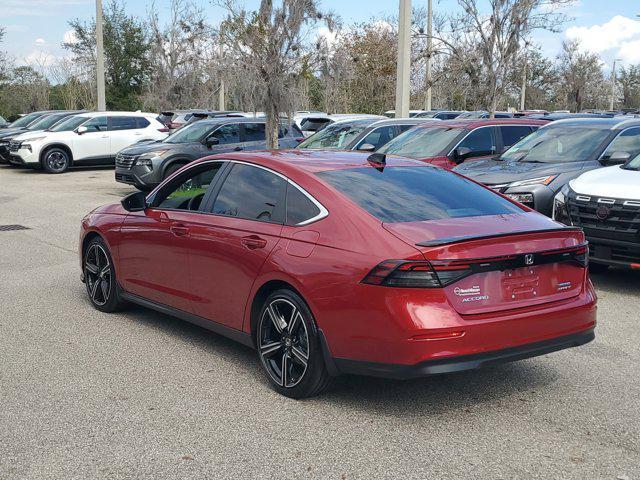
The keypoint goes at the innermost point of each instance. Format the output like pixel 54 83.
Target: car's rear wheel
pixel 56 160
pixel 289 346
pixel 100 277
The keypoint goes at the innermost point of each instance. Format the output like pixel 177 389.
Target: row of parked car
pixel 539 161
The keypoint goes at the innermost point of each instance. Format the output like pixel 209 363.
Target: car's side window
pixel 254 132
pixel 142 122
pixel 628 141
pixel 122 123
pixel 379 136
pixel 229 133
pixel 187 190
pixel 300 208
pixel 96 124
pixel 512 134
pixel 251 193
pixel 479 141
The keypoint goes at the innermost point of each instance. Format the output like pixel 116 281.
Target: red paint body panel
pixel 212 271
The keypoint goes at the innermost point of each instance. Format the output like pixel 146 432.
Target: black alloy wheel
pixel 100 278
pixel 55 160
pixel 289 347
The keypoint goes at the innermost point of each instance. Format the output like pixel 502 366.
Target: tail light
pixel 164 130
pixel 441 273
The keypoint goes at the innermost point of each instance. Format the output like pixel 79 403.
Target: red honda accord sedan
pixel 339 262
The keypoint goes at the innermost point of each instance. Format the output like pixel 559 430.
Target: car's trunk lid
pixel 496 263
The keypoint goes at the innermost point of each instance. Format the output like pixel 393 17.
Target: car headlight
pixel 533 181
pixel 560 207
pixel 26 146
pixel 146 158
pixel 526 198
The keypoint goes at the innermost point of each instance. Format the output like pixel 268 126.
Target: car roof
pixel 115 114
pixel 313 161
pixel 483 122
pixel 404 121
pixel 612 123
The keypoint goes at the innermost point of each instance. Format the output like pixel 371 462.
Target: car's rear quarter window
pixel 412 194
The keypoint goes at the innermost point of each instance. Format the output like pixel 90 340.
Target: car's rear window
pixel 413 194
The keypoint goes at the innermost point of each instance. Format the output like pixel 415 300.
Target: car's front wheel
pixel 56 160
pixel 100 277
pixel 289 346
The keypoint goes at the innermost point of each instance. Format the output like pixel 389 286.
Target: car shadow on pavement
pixel 425 396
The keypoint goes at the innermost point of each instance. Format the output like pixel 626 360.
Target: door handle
pixel 253 242
pixel 179 230
pixel 237 149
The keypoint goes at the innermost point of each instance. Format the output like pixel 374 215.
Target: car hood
pixel 29 134
pixel 613 182
pixel 492 172
pixel 8 132
pixel 146 147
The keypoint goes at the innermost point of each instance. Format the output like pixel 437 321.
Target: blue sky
pixel 36 28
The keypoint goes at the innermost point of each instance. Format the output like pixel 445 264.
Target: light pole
pixel 102 104
pixel 523 90
pixel 404 61
pixel 427 100
pixel 221 93
pixel 613 82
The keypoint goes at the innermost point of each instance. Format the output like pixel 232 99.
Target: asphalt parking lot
pixel 141 395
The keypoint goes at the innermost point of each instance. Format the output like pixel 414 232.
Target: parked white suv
pixel 605 202
pixel 87 139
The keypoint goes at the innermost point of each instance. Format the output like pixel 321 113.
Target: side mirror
pixel 461 153
pixel 81 129
pixel 616 158
pixel 367 147
pixel 134 202
pixel 211 141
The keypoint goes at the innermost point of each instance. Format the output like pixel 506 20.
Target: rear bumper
pixel 464 362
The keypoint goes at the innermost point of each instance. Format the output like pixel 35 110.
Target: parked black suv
pixel 534 170
pixel 146 165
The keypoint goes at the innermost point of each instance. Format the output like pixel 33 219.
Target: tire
pixel 598 267
pixel 171 169
pixel 100 277
pixel 287 341
pixel 56 160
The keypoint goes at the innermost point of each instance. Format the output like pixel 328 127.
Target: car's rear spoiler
pixel 437 242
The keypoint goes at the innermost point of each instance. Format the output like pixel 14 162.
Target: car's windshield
pixel 336 136
pixel 633 164
pixel 26 120
pixel 69 124
pixel 557 144
pixel 190 133
pixel 46 121
pixel 422 142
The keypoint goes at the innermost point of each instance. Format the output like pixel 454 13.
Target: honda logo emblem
pixel 528 259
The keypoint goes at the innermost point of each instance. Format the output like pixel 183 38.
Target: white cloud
pixel 630 52
pixel 70 37
pixel 40 41
pixel 329 36
pixel 617 36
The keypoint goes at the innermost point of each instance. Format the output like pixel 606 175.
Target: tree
pixel 582 80
pixel 629 80
pixel 268 47
pixel 181 55
pixel 489 43
pixel 126 48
